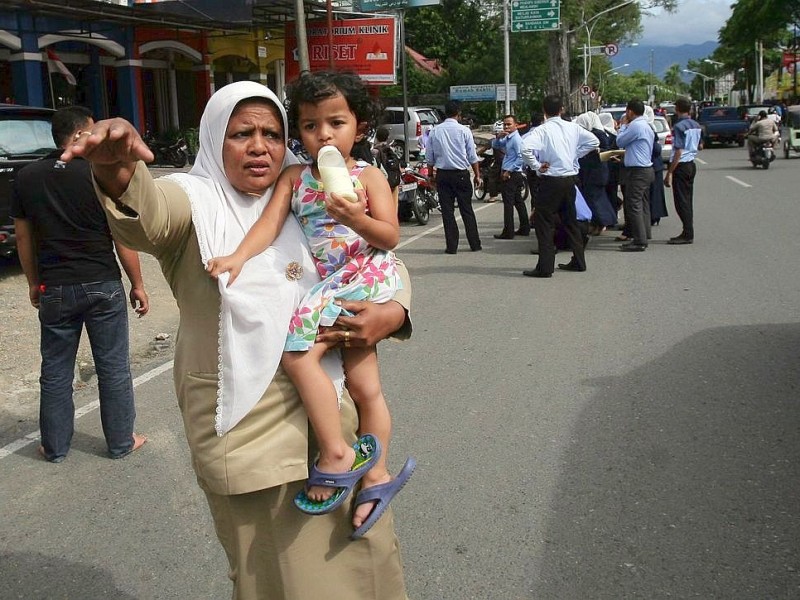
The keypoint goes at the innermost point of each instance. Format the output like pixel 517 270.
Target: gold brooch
pixel 294 271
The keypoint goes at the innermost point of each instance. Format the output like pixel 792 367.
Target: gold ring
pixel 347 338
pixel 78 135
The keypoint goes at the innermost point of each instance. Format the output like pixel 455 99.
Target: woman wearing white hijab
pixel 593 176
pixel 658 202
pixel 246 427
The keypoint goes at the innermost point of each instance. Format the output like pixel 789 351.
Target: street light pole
pixel 587 48
pixel 705 80
pixel 613 70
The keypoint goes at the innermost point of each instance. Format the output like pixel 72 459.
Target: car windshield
pixel 660 125
pixel 25 136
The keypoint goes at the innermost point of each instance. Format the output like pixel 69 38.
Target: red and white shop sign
pixel 365 46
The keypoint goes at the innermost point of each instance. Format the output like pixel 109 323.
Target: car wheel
pixel 786 150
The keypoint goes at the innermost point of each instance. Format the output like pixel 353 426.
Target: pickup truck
pixel 25 136
pixel 723 125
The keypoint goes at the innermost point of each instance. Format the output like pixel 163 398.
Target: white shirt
pixel 560 144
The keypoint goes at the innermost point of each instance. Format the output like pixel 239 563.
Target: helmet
pixel 498 126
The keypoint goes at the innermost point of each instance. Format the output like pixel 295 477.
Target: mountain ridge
pixel 664 57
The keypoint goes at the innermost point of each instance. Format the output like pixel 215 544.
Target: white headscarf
pixel 589 120
pixel 607 120
pixel 255 311
pixel 649 114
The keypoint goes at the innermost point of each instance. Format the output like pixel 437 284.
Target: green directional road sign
pixel 535 15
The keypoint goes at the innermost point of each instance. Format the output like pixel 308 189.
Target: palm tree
pixel 673 78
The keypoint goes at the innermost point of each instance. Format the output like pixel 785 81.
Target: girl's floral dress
pixel 350 268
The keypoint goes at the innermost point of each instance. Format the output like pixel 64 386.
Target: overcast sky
pixel 695 22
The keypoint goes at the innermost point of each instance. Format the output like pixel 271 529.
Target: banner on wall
pixel 365 46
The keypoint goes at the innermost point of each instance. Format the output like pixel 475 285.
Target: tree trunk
pixel 558 82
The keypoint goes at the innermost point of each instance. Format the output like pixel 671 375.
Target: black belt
pixel 452 170
pixel 627 167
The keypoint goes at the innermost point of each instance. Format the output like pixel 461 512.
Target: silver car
pixel 664 137
pixel 420 120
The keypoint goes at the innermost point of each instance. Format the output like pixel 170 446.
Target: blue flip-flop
pixel 368 449
pixel 382 494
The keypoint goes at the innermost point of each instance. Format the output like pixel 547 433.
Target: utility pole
pixel 302 39
pixel 507 65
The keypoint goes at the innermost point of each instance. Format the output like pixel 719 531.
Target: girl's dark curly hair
pixel 321 85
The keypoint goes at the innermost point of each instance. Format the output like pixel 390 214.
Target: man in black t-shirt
pixel 67 254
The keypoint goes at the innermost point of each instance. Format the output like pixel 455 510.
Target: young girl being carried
pixel 353 256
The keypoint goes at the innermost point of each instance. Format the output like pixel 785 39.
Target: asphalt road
pixel 628 432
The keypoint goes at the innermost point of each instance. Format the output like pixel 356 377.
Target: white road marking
pixel 35 436
pixel 701 161
pixel 435 228
pixel 740 182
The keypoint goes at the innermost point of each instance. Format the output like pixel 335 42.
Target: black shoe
pixel 536 273
pixel 633 247
pixel 522 233
pixel 477 248
pixel 504 236
pixel 571 266
pixel 677 241
pixel 450 251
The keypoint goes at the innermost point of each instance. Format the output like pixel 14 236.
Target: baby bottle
pixel 334 173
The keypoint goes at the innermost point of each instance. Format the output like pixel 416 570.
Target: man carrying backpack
pixel 387 161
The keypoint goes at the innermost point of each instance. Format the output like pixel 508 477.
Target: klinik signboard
pixel 365 46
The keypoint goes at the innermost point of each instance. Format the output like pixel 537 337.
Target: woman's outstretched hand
pixel 108 142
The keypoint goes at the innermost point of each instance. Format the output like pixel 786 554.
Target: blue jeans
pixel 63 311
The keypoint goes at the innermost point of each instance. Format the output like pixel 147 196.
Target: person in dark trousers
pixel 510 143
pixel 687 142
pixel 636 138
pixel 553 150
pixel 67 254
pixel 451 154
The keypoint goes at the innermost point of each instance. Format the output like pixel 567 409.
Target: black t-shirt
pixel 71 235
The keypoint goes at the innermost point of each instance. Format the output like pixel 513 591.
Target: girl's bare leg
pixel 321 403
pixel 364 384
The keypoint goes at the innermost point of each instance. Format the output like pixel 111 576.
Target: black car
pixel 25 136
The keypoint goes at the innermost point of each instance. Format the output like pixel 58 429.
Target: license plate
pixel 408 186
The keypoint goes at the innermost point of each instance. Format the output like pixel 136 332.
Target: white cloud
pixel 694 22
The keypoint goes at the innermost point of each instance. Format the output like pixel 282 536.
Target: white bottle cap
pixel 334 173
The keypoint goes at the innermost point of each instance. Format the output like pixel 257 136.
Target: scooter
pixel 417 195
pixel 763 154
pixel 166 153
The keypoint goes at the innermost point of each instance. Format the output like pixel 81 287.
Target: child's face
pixel 329 122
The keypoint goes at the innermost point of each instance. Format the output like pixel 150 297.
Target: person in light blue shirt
pixel 451 154
pixel 636 137
pixel 687 142
pixel 510 143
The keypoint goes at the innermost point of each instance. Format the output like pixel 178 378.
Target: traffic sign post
pixel 535 15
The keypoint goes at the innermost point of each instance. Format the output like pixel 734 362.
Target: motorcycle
pixel 417 195
pixel 486 163
pixel 168 153
pixel 763 154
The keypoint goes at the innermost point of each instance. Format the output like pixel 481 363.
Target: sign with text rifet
pixel 371 5
pixel 365 46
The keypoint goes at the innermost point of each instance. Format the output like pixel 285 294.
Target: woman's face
pixel 329 122
pixel 254 147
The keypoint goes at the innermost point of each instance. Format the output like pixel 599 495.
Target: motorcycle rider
pixel 762 131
